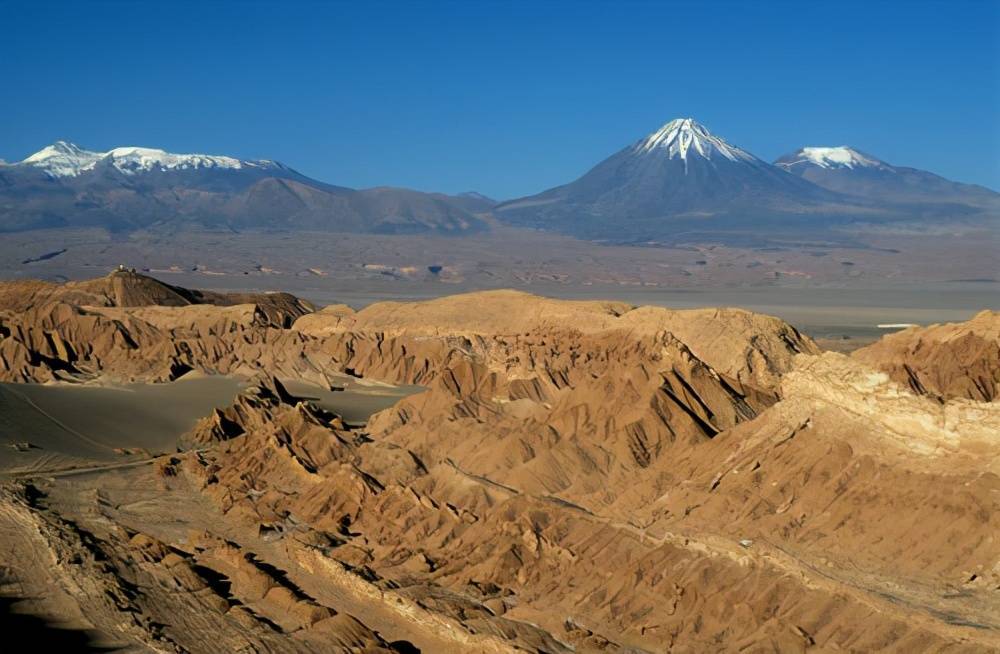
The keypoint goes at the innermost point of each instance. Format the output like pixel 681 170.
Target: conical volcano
pixel 679 179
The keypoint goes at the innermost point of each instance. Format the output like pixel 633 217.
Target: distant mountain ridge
pixel 129 188
pixel 63 159
pixel 681 182
pixel 678 183
pixel 846 170
pixel 827 157
pixel 679 178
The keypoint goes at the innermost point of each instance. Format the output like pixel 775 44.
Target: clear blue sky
pixel 505 98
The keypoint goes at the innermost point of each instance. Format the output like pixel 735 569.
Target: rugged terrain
pixel 571 476
pixel 943 361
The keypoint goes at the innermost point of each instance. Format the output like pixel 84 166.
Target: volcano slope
pixel 575 476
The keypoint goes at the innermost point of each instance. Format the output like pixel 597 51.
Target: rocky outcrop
pixel 849 462
pixel 943 361
pixel 386 340
pixel 133 588
pixel 749 347
pixel 582 476
pixel 63 341
pixel 806 515
pixel 131 289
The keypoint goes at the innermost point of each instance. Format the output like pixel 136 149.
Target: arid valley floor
pixel 836 292
pixel 488 472
pixel 508 327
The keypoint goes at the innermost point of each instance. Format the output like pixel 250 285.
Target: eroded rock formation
pixel 943 361
pixel 575 476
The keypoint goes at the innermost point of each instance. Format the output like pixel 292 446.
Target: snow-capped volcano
pixel 825 157
pixel 62 159
pixel 677 179
pixel 847 170
pixel 683 135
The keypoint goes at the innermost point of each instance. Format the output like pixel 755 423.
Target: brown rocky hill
pixel 129 326
pixel 130 289
pixel 943 361
pixel 575 476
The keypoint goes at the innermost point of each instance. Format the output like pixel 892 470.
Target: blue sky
pixel 507 98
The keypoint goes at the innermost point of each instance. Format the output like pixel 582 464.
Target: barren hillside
pixel 574 476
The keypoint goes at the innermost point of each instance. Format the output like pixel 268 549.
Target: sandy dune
pixel 72 426
pixel 69 425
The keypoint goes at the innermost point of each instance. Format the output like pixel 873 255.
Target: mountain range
pixel 130 188
pixel 680 182
pixel 847 170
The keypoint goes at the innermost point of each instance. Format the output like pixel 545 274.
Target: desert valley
pixel 492 471
pixel 474 336
pixel 447 427
pixel 848 241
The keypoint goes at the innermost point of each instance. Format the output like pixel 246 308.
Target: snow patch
pixel 62 159
pixel 685 135
pixel 838 157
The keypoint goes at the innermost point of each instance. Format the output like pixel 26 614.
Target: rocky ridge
pixel 943 361
pixel 576 476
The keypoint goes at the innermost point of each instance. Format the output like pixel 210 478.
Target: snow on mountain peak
pixel 833 157
pixel 682 135
pixel 63 159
